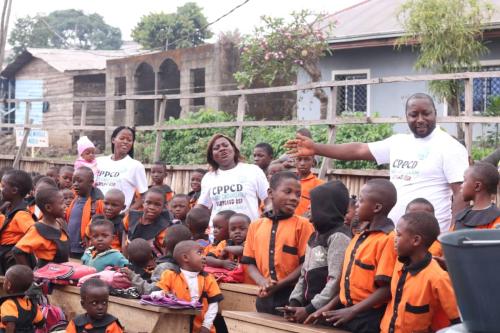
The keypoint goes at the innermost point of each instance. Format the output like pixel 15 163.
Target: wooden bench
pixel 135 317
pixel 254 322
pixel 238 297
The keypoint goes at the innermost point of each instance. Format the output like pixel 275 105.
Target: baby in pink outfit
pixel 86 155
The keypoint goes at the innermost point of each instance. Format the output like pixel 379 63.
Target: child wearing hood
pixel 86 155
pixel 320 275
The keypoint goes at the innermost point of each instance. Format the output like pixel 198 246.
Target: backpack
pixel 113 278
pixel 64 274
pixel 54 317
pixel 223 275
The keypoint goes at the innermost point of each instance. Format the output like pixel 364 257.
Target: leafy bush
pixel 189 146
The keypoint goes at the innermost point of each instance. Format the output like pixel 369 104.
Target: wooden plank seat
pixel 238 297
pixel 135 317
pixel 254 322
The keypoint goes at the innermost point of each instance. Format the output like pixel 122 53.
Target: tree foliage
pixel 185 28
pixel 64 29
pixel 278 48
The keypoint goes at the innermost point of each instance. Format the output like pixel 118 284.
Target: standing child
pixel 86 155
pixel 196 178
pixel 197 221
pixel 190 283
pixel 16 184
pixel 94 295
pixel 263 155
pixel 422 295
pixel 53 172
pixel 114 204
pixel 149 224
pixel 68 197
pixel 48 239
pixel 66 177
pixel 179 207
pixel 221 234
pixel 100 254
pixel 158 175
pixel 79 214
pixel 19 313
pixel 308 181
pixel 276 244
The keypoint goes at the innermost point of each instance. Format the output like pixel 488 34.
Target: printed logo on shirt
pixel 228 195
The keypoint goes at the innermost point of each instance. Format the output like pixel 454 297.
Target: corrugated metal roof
pixel 373 19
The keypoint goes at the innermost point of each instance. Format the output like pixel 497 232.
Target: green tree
pixel 64 29
pixel 448 36
pixel 275 52
pixel 185 28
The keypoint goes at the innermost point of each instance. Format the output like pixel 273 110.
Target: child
pixel 480 185
pixel 149 224
pixel 16 184
pixel 40 183
pixel 114 204
pixel 190 283
pixel 80 212
pixel 368 264
pixel 19 313
pixel 263 155
pixel 273 168
pixel 100 254
pixel 158 175
pixel 422 294
pixel 276 244
pixel 221 234
pixel 68 197
pixel 196 178
pixel 424 205
pixel 141 258
pixel 351 210
pixel 48 239
pixel 197 221
pixel 53 172
pixel 94 295
pixel 308 181
pixel 175 234
pixel 179 207
pixel 86 155
pixel 66 177
pixel 322 267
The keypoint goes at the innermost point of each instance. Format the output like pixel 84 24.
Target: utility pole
pixel 4 26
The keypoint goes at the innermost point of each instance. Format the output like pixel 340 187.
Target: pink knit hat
pixel 84 143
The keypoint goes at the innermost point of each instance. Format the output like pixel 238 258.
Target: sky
pixel 125 14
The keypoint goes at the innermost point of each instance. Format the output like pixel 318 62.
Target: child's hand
pixel 314 317
pixel 340 317
pixel 229 264
pixel 156 295
pixel 295 314
pixel 267 288
pixel 203 329
pixel 127 272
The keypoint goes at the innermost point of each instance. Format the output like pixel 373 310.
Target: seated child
pixel 195 192
pixel 179 207
pixel 175 234
pixel 221 234
pixel 100 254
pixel 158 175
pixel 480 185
pixel 149 224
pixel 68 197
pixel 320 276
pixel 114 204
pixel 86 155
pixel 308 181
pixel 142 260
pixel 197 220
pixel 233 248
pixel 16 184
pixel 47 239
pixel 66 177
pixel 422 294
pixel 53 172
pixel 94 295
pixel 19 313
pixel 368 264
pixel 185 283
pixel 276 244
pixel 263 155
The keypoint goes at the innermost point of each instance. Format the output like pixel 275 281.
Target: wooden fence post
pixel 83 117
pixel 331 113
pixel 240 116
pixel 27 128
pixel 468 101
pixel 159 132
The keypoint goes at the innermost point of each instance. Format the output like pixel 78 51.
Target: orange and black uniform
pixel 369 259
pixel 173 282
pixel 217 253
pixel 276 245
pixel 470 218
pixel 46 243
pixel 23 312
pixel 16 223
pixel 169 194
pixel 154 232
pixel 306 185
pixel 94 205
pixel 422 298
pixel 193 198
pixel 83 324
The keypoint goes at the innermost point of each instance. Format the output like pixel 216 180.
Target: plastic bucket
pixel 473 259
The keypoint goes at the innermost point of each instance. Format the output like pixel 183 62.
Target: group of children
pixel 316 254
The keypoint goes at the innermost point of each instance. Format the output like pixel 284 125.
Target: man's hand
pixel 300 146
pixel 340 317
pixel 295 314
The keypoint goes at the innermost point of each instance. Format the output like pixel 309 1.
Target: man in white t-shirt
pixel 428 163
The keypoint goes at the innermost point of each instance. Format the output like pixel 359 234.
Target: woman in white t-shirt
pixel 231 184
pixel 119 170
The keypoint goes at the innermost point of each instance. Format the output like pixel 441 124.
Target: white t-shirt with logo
pixel 237 189
pixel 423 168
pixel 126 175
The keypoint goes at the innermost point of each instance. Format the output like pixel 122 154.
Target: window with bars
pixel 351 98
pixel 120 89
pixel 483 90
